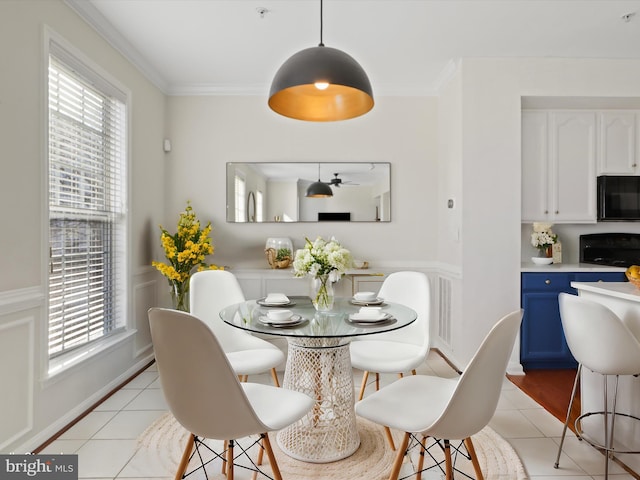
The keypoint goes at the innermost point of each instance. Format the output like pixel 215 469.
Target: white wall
pixel 491 102
pixel 207 132
pixel 32 405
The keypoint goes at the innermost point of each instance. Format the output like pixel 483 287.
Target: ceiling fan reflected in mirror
pixel 336 181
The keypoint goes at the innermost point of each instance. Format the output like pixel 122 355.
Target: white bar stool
pixel 601 342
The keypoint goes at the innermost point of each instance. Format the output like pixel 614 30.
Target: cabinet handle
pixel 547 282
pixel 546 212
pixel 557 212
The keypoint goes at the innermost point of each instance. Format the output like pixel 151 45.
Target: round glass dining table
pixel 319 364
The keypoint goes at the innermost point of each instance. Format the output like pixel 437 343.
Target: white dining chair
pixel 210 402
pixel 210 292
pixel 446 408
pixel 601 342
pixel 403 350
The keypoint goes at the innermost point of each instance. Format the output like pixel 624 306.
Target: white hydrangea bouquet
pixel 326 262
pixel 542 237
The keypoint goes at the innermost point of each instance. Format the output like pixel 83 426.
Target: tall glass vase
pixel 180 295
pixel 322 294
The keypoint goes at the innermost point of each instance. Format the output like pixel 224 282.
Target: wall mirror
pixel 277 192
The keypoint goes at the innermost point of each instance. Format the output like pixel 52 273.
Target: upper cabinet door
pixel 535 171
pixel 573 166
pixel 617 143
pixel 558 166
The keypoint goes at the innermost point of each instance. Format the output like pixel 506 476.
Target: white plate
pixel 377 301
pixel 359 318
pixel 263 303
pixel 293 320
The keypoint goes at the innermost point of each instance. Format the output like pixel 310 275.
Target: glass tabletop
pixel 252 316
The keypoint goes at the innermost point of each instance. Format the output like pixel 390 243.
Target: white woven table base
pixel 321 368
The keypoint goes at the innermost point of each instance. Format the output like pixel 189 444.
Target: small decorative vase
pixel 180 295
pixel 546 252
pixel 279 252
pixel 322 293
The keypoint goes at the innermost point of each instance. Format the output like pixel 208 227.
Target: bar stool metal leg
pixel 566 422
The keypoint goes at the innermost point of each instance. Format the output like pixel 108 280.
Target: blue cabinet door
pixel 542 342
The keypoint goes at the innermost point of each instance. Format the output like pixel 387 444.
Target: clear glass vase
pixel 322 295
pixel 179 295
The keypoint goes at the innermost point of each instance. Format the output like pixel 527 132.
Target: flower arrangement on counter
pixel 543 238
pixel 326 262
pixel 184 250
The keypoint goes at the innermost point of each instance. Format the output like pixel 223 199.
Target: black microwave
pixel 618 198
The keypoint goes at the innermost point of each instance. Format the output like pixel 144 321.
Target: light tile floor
pixel 106 439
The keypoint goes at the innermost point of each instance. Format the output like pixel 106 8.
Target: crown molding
pixel 100 24
pixel 263 90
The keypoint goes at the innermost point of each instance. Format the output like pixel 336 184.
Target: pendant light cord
pixel 321 15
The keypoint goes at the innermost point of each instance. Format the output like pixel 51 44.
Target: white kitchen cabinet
pixel 559 166
pixel 617 143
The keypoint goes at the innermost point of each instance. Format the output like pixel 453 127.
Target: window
pixel 259 206
pixel 241 208
pixel 86 208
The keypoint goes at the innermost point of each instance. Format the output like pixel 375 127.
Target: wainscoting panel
pixel 144 297
pixel 444 310
pixel 16 372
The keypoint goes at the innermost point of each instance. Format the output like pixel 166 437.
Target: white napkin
pixel 276 298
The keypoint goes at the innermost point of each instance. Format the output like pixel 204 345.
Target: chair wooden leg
pixel 400 375
pixel 254 476
pixel 261 451
pixel 423 443
pixel 224 460
pixel 414 372
pixel 274 375
pixel 184 461
pixel 365 377
pixel 474 459
pixel 387 431
pixel 230 460
pixel 377 381
pixel 447 459
pixel 397 464
pixel 272 458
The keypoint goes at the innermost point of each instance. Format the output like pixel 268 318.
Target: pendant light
pixel 319 189
pixel 321 84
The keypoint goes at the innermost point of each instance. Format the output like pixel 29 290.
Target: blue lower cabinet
pixel 542 342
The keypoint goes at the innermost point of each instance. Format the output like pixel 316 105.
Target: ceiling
pixel 407 47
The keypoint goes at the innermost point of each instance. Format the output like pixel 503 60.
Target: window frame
pixel 56 45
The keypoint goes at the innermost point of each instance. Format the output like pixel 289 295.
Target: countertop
pixel 569 267
pixel 623 290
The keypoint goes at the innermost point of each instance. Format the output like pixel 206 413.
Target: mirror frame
pixel 363 195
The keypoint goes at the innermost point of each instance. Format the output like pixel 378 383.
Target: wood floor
pixel 551 389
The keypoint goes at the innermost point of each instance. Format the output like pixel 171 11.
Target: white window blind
pixel 87 178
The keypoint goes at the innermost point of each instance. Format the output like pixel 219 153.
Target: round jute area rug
pixel 163 442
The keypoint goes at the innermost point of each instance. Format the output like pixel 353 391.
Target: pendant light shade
pixel 321 84
pixel 296 89
pixel 319 189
